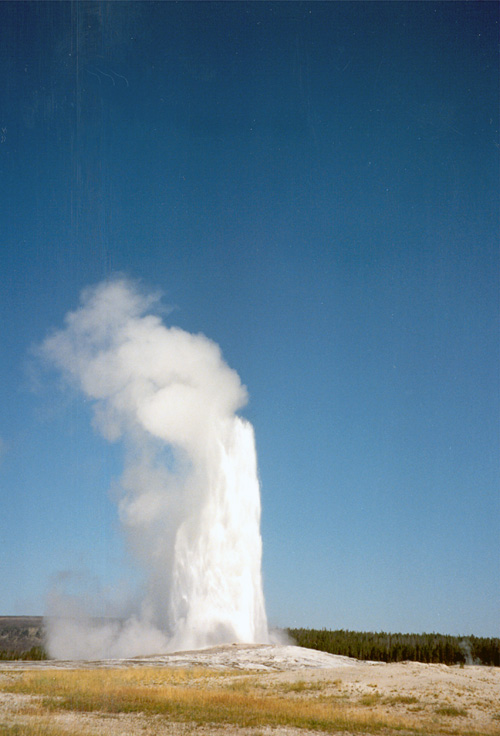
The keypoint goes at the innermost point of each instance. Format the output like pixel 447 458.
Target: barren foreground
pixel 236 690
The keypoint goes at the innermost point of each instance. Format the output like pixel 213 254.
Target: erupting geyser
pixel 190 501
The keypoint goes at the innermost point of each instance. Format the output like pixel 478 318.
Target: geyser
pixel 190 501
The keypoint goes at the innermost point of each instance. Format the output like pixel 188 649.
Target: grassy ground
pixel 55 702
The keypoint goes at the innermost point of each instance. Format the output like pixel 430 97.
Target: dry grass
pixel 40 727
pixel 211 699
pixel 451 710
pixel 301 686
pixel 401 700
pixel 176 695
pixel 370 699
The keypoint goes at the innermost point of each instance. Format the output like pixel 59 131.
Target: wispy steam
pixel 190 503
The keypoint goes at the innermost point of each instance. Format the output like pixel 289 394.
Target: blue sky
pixel 314 186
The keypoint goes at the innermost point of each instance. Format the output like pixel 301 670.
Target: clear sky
pixel 314 186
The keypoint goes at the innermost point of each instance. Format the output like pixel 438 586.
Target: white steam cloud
pixel 190 503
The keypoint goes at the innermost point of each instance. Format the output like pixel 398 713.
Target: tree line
pixel 33 654
pixel 384 647
pixel 367 645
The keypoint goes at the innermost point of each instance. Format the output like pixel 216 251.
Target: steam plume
pixel 190 503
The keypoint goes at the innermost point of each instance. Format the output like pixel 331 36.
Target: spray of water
pixel 190 502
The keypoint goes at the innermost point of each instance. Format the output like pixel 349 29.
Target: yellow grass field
pixel 405 698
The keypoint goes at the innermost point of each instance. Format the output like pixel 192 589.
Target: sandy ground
pixel 415 692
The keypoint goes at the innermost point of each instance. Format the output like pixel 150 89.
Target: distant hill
pixel 19 634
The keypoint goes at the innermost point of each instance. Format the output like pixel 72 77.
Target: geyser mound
pixel 190 502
